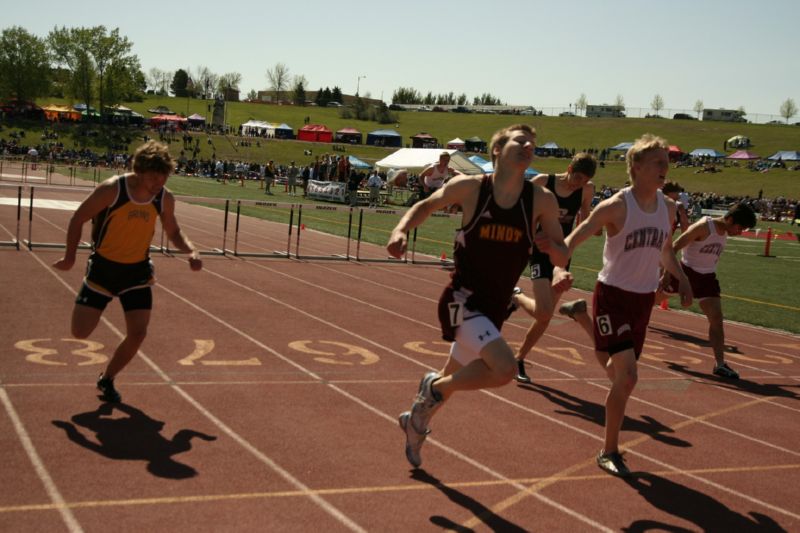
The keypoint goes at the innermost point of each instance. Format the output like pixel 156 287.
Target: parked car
pixel 566 114
pixel 682 116
pixel 334 104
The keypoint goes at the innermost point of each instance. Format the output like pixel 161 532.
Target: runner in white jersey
pixel 702 246
pixel 637 224
pixel 432 178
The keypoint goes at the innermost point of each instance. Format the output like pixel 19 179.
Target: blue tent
pixel 622 146
pixel 385 138
pixel 357 163
pixel 785 155
pixel 489 168
pixel 705 152
pixel 284 131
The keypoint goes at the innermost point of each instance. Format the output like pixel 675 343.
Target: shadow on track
pixel 761 389
pixel 135 437
pixel 596 413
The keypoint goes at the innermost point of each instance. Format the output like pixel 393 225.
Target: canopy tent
pixel 738 141
pixel 674 152
pixel 60 112
pixel 357 163
pixel 315 133
pixel 785 155
pixel 284 131
pixel 196 119
pixel 705 152
pixel 488 167
pixel 172 120
pixel 475 144
pixel 83 107
pixel 743 154
pixel 424 140
pixel 457 144
pixel 550 146
pixel 385 138
pixel 349 135
pixel 255 127
pixel 622 146
pixel 415 159
pixel 161 110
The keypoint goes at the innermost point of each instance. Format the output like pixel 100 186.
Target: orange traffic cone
pixel 443 257
pixel 302 226
pixel 665 304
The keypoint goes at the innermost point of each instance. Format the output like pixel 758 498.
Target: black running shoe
pixel 521 376
pixel 724 371
pixel 109 393
pixel 572 308
pixel 613 463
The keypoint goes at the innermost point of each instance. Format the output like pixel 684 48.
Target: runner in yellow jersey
pixel 123 210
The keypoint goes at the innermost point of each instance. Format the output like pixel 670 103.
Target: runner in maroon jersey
pixel 492 249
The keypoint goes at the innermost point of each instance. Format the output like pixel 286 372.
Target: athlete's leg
pixel 623 369
pixel 84 320
pixel 540 307
pixel 136 322
pixel 494 368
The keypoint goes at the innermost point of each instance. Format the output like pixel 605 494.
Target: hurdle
pixel 29 242
pixel 164 247
pixel 15 240
pixel 300 226
pixel 275 253
pixel 376 260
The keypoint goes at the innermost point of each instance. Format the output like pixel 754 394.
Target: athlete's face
pixel 153 182
pixel 652 168
pixel 519 148
pixel 733 229
pixel 576 180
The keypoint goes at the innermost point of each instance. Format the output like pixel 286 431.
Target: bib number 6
pixel 604 325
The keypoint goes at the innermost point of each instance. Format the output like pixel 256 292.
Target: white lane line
pixel 52 490
pixel 316 498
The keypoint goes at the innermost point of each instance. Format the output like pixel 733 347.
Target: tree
pixel 70 49
pixel 179 83
pixel 698 108
pixel 278 77
pixel 620 102
pixel 158 81
pixel 229 81
pixel 299 91
pixel 111 54
pixel 788 109
pixel 124 83
pixel 204 81
pixel 336 95
pixel 24 65
pixel 581 103
pixel 657 104
pixel 406 95
pixel 462 99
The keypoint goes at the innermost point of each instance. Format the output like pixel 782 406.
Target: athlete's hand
pixel 685 291
pixel 397 244
pixel 562 281
pixel 64 263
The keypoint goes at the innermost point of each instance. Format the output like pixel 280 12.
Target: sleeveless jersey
pixel 123 231
pixel 568 206
pixel 631 257
pixel 436 178
pixel 703 256
pixel 492 251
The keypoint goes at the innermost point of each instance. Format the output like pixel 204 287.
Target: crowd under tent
pixel 256 127
pixel 349 136
pixel 315 133
pixel 415 159
pixel 168 120
pixel 424 140
pixel 388 138
pixel 488 167
pixel 622 146
pixel 284 131
pixel 196 120
pixel 55 112
pixel 738 141
pixel 674 152
pixel 475 144
pixel 785 155
pixel 743 155
pixel 706 152
pixel 457 144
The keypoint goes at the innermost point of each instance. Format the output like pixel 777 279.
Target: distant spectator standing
pixel 291 178
pixel 374 184
pixel 269 177
pixel 306 176
pixel 352 187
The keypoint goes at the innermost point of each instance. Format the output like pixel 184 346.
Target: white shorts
pixel 471 337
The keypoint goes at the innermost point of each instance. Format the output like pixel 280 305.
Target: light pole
pixel 358 83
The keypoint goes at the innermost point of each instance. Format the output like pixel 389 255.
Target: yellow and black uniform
pixel 120 261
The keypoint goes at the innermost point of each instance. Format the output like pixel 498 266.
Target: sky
pixel 728 54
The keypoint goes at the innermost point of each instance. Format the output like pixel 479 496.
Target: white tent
pixel 456 144
pixel 255 127
pixel 415 159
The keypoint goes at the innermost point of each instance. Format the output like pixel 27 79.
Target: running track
pixel 265 399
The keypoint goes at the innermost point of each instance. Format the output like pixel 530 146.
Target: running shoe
pixel 521 376
pixel 108 392
pixel 613 463
pixel 724 371
pixel 414 439
pixel 572 308
pixel 425 404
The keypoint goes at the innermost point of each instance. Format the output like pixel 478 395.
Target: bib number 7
pixel 456 313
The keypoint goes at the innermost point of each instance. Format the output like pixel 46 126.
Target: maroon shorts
pixel 703 285
pixel 620 318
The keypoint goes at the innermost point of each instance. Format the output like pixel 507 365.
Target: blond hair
pixel 153 156
pixel 500 138
pixel 646 143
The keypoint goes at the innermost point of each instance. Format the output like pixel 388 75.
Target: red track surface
pixel 265 399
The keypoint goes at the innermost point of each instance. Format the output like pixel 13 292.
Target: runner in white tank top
pixel 631 257
pixel 702 244
pixel 703 255
pixel 637 224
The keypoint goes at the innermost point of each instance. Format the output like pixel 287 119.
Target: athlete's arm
pixel 671 264
pixel 550 239
pixel 459 190
pixel 174 232
pixel 586 201
pixel 603 215
pixel 696 232
pixel 101 198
